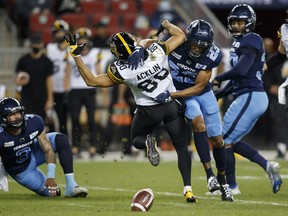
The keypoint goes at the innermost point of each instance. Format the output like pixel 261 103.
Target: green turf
pixel 112 185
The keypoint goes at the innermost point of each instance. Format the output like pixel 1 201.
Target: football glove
pixel 136 57
pixel 163 97
pixel 74 48
pixel 160 29
pixel 181 105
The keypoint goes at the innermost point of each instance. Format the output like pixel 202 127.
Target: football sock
pixel 63 149
pixel 202 146
pixel 187 188
pixel 209 172
pixel 70 181
pixel 250 153
pixel 230 167
pixel 139 142
pixel 184 162
pixel 220 158
pixel 221 179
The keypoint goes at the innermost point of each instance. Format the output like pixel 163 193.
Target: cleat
pixel 152 152
pixel 190 197
pixel 226 193
pixel 214 193
pixel 213 184
pixel 234 191
pixel 273 171
pixel 78 192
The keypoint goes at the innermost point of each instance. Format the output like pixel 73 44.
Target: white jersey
pixel 90 60
pixel 150 79
pixel 59 59
pixel 284 36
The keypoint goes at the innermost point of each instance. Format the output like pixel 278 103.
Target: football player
pixel 57 52
pixel 151 78
pixel 279 58
pixel 191 66
pixel 247 58
pixel 24 146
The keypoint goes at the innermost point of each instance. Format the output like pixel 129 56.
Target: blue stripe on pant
pixel 242 115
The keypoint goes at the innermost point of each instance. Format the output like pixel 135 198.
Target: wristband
pixel 51 167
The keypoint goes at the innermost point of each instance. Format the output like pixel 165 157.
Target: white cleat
pixel 78 192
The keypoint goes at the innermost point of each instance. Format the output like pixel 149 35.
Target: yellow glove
pixel 74 49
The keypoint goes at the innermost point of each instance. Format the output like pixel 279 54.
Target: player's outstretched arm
pixel 75 50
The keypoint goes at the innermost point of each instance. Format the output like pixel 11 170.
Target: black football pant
pixel 148 118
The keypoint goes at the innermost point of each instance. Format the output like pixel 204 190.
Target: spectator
pixel 24 9
pixel 274 62
pixel 100 39
pixel 67 6
pixel 82 95
pixel 276 127
pixel 165 11
pixel 34 74
pixel 57 52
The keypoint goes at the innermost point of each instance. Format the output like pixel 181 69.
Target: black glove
pixel 181 105
pixel 163 97
pixel 160 29
pixel 136 57
pixel 74 49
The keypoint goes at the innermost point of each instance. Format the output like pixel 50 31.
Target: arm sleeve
pixel 225 91
pixel 246 60
pixel 275 60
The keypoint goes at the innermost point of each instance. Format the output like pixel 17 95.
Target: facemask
pixel 36 50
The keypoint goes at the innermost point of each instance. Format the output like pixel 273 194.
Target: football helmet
pixel 60 25
pixel 122 44
pixel 83 33
pixel 245 13
pixel 8 106
pixel 198 34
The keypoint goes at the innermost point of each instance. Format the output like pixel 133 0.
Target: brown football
pixel 142 200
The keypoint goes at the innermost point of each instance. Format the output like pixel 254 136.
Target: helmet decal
pixel 124 43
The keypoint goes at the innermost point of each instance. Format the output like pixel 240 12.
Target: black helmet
pixel 83 32
pixel 8 106
pixel 199 33
pixel 122 44
pixel 60 25
pixel 245 13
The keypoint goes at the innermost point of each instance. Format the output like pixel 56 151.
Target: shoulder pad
pixel 252 41
pixel 114 74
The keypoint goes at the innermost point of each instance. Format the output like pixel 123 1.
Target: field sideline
pixel 112 184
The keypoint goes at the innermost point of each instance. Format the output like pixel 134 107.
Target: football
pixel 142 200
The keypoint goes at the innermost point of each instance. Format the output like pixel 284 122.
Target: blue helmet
pixel 245 13
pixel 8 106
pixel 199 33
